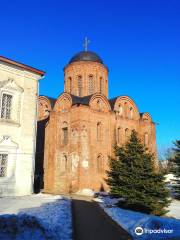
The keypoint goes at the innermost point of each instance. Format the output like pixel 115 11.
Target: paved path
pixel 91 223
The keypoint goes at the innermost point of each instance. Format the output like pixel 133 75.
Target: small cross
pixel 85 44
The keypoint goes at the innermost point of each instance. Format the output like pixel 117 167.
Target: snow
pixel 153 227
pixel 86 192
pixel 110 202
pixel 170 177
pixel 40 216
pixel 174 209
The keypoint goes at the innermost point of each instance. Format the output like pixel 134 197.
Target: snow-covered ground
pixel 37 217
pixel 174 209
pixel 151 227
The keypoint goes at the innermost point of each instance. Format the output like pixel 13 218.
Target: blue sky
pixel 138 40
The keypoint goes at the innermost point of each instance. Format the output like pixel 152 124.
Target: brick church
pixel 78 130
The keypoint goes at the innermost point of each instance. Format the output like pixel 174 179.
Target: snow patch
pixel 174 209
pixel 86 192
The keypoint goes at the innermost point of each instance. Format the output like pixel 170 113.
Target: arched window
pixel 126 134
pixel 99 131
pixel 126 109
pixel 146 140
pixel 101 84
pixel 70 84
pixel 131 113
pixel 91 84
pixel 100 164
pixel 119 135
pixel 120 110
pixel 65 134
pixel 80 86
pixel 63 165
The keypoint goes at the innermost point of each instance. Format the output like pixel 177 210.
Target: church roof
pixel 112 102
pixel 81 100
pixel 86 56
pixel 75 100
pixel 52 101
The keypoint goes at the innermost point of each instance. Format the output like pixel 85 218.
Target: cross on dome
pixel 85 44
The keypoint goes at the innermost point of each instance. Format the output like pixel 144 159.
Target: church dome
pixel 86 56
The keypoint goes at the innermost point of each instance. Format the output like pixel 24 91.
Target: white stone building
pixel 18 112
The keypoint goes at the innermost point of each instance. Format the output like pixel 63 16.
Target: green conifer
pixel 132 177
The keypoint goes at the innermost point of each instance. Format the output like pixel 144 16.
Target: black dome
pixel 86 56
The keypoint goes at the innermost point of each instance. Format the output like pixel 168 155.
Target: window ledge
pixel 9 122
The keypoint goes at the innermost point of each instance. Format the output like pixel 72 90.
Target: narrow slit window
pixel 126 134
pixel 131 113
pixel 101 84
pixel 119 135
pixel 125 110
pixel 65 136
pixel 70 84
pixel 80 86
pixel 63 166
pixel 120 110
pixel 91 84
pixel 100 167
pixel 99 132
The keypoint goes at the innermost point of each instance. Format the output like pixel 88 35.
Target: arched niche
pixel 119 135
pixel 63 163
pixel 64 133
pixel 100 164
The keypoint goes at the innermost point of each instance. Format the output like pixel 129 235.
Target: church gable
pixel 146 117
pixel 99 103
pixel 126 108
pixel 44 107
pixel 63 103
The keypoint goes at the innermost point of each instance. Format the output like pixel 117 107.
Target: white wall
pixel 17 136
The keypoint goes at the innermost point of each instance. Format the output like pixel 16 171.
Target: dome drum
pixel 85 75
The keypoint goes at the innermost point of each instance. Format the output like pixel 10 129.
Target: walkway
pixel 91 223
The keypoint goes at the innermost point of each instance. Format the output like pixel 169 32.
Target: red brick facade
pixel 84 126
